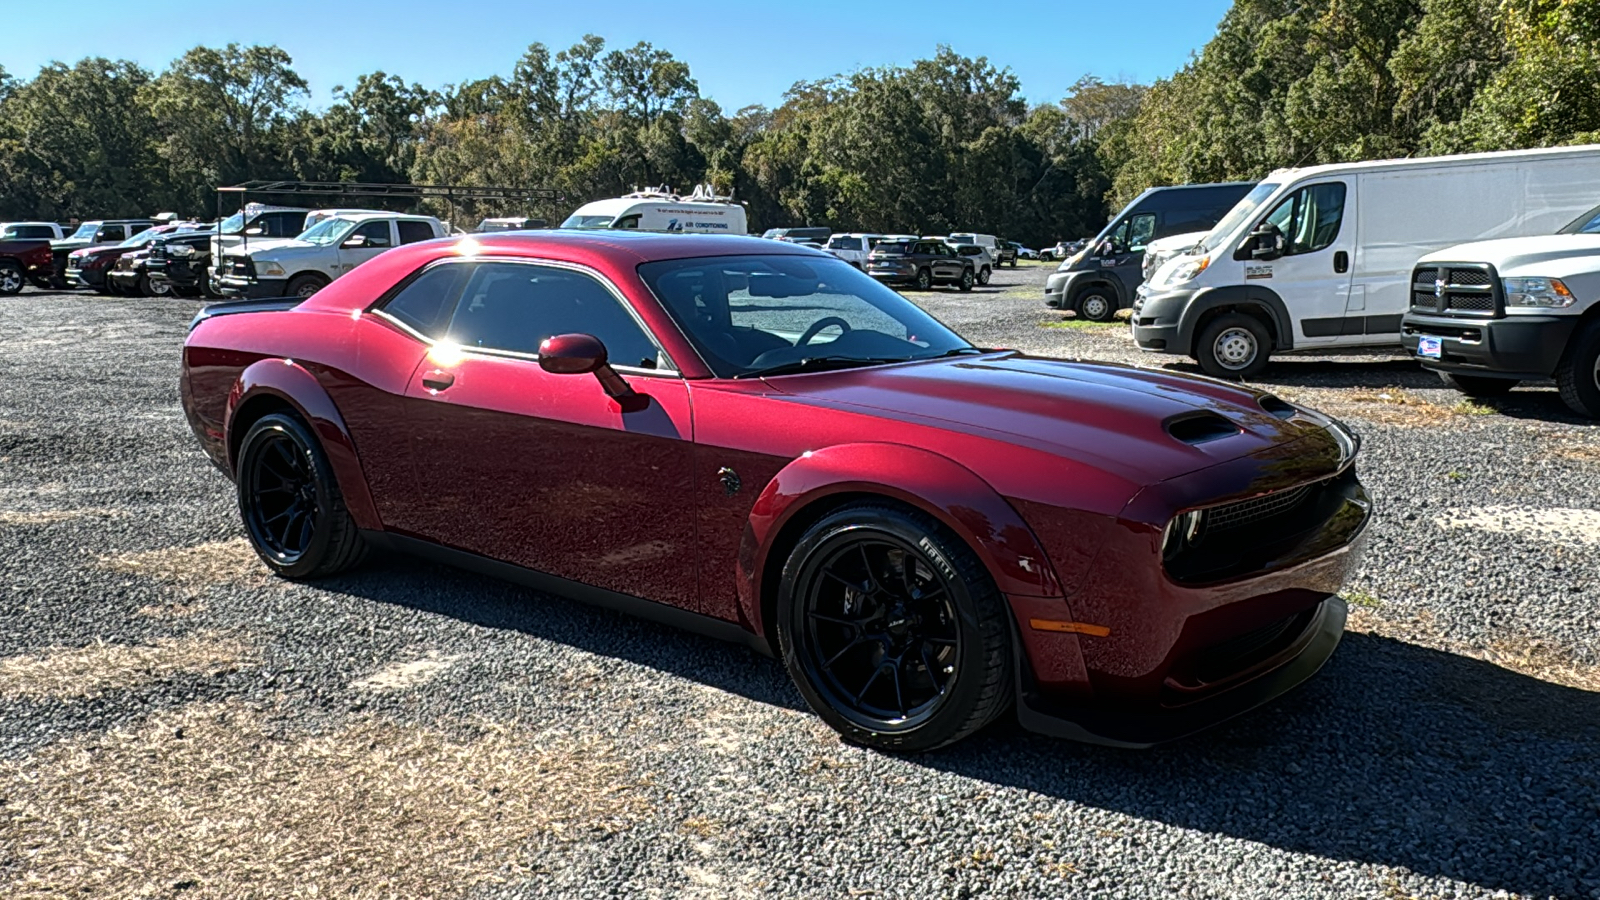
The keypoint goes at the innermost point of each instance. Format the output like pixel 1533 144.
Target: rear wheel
pixel 1096 304
pixel 11 278
pixel 1578 376
pixel 289 498
pixel 304 286
pixel 1233 346
pixel 893 630
pixel 924 280
pixel 1478 386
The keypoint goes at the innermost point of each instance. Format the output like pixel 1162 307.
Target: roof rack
pixel 703 193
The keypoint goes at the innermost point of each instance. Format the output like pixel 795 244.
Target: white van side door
pixel 1313 274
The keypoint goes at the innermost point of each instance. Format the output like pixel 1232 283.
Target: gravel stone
pixel 1451 747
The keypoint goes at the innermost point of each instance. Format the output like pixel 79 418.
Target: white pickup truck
pixel 301 266
pixel 1491 314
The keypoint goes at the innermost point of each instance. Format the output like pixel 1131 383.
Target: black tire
pixel 984 274
pixel 921 589
pixel 280 457
pixel 148 288
pixel 208 286
pixel 966 280
pixel 1233 346
pixel 303 286
pixel 1479 386
pixel 1578 375
pixel 1095 303
pixel 11 278
pixel 924 280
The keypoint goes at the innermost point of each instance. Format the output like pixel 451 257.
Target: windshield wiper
pixel 821 364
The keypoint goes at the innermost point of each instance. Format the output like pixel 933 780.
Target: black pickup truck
pixel 24 260
pixel 180 263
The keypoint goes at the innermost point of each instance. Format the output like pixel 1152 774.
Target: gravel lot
pixel 173 722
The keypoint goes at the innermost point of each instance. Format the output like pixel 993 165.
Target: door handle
pixel 437 380
pixel 1341 262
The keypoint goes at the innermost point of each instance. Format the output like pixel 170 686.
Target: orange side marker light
pixel 1070 627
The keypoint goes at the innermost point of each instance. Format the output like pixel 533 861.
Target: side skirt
pixel 554 584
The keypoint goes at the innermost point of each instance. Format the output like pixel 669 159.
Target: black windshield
pixel 752 315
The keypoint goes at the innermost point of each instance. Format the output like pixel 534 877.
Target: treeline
pixel 942 144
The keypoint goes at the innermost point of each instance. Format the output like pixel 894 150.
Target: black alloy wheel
pixel 924 280
pixel 893 630
pixel 293 511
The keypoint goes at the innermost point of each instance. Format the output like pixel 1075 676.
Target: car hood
pixel 1551 255
pixel 271 248
pixel 1173 243
pixel 1116 416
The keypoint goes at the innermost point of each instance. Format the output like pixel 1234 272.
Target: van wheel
pixel 924 280
pixel 1479 386
pixel 1233 346
pixel 1578 376
pixel 1096 305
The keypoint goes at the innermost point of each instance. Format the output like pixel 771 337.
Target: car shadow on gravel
pixel 1394 754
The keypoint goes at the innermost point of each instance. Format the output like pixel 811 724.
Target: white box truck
pixel 1321 257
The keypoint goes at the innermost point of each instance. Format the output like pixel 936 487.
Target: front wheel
pixel 924 280
pixel 11 279
pixel 983 275
pixel 1096 305
pixel 289 498
pixel 893 630
pixel 1233 346
pixel 151 288
pixel 303 286
pixel 966 279
pixel 1578 376
pixel 1479 386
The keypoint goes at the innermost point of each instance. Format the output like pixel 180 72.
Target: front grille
pixel 1250 512
pixel 1468 289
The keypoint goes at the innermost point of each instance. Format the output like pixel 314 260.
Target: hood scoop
pixel 1198 428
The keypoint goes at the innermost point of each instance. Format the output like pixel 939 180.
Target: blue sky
pixel 741 53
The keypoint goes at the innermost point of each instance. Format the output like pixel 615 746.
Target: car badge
pixel 1438 287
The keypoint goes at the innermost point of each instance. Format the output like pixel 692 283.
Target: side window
pixel 425 304
pixel 1141 230
pixel 1310 218
pixel 627 222
pixel 510 306
pixel 376 233
pixel 111 233
pixel 285 224
pixel 1119 235
pixel 411 232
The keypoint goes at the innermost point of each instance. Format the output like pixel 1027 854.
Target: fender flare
pixel 290 382
pixel 1255 295
pixel 1085 278
pixel 935 484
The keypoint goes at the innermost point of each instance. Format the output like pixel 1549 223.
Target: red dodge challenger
pixel 755 440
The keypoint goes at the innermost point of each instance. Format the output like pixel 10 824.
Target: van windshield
pixel 587 222
pixel 1241 211
pixel 1588 223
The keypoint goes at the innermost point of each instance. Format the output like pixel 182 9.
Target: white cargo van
pixel 658 209
pixel 1321 257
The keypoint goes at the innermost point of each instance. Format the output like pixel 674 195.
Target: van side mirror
pixel 583 354
pixel 1266 242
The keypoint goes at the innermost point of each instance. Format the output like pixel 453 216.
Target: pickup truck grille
pixel 1456 289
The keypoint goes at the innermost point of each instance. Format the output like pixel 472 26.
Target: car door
pixel 366 241
pixel 547 471
pixel 1313 275
pixel 947 264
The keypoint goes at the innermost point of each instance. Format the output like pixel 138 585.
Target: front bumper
pixel 1058 288
pixel 88 278
pixel 1525 347
pixel 1302 656
pixel 1157 318
pixel 251 288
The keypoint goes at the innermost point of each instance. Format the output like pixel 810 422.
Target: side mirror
pixel 254 231
pixel 1266 242
pixel 359 240
pixel 1106 248
pixel 583 354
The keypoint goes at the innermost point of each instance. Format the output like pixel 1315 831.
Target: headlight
pixel 1183 531
pixel 1544 293
pixel 180 250
pixel 269 268
pixel 1188 270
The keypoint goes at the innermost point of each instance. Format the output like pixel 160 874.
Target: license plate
pixel 1430 347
